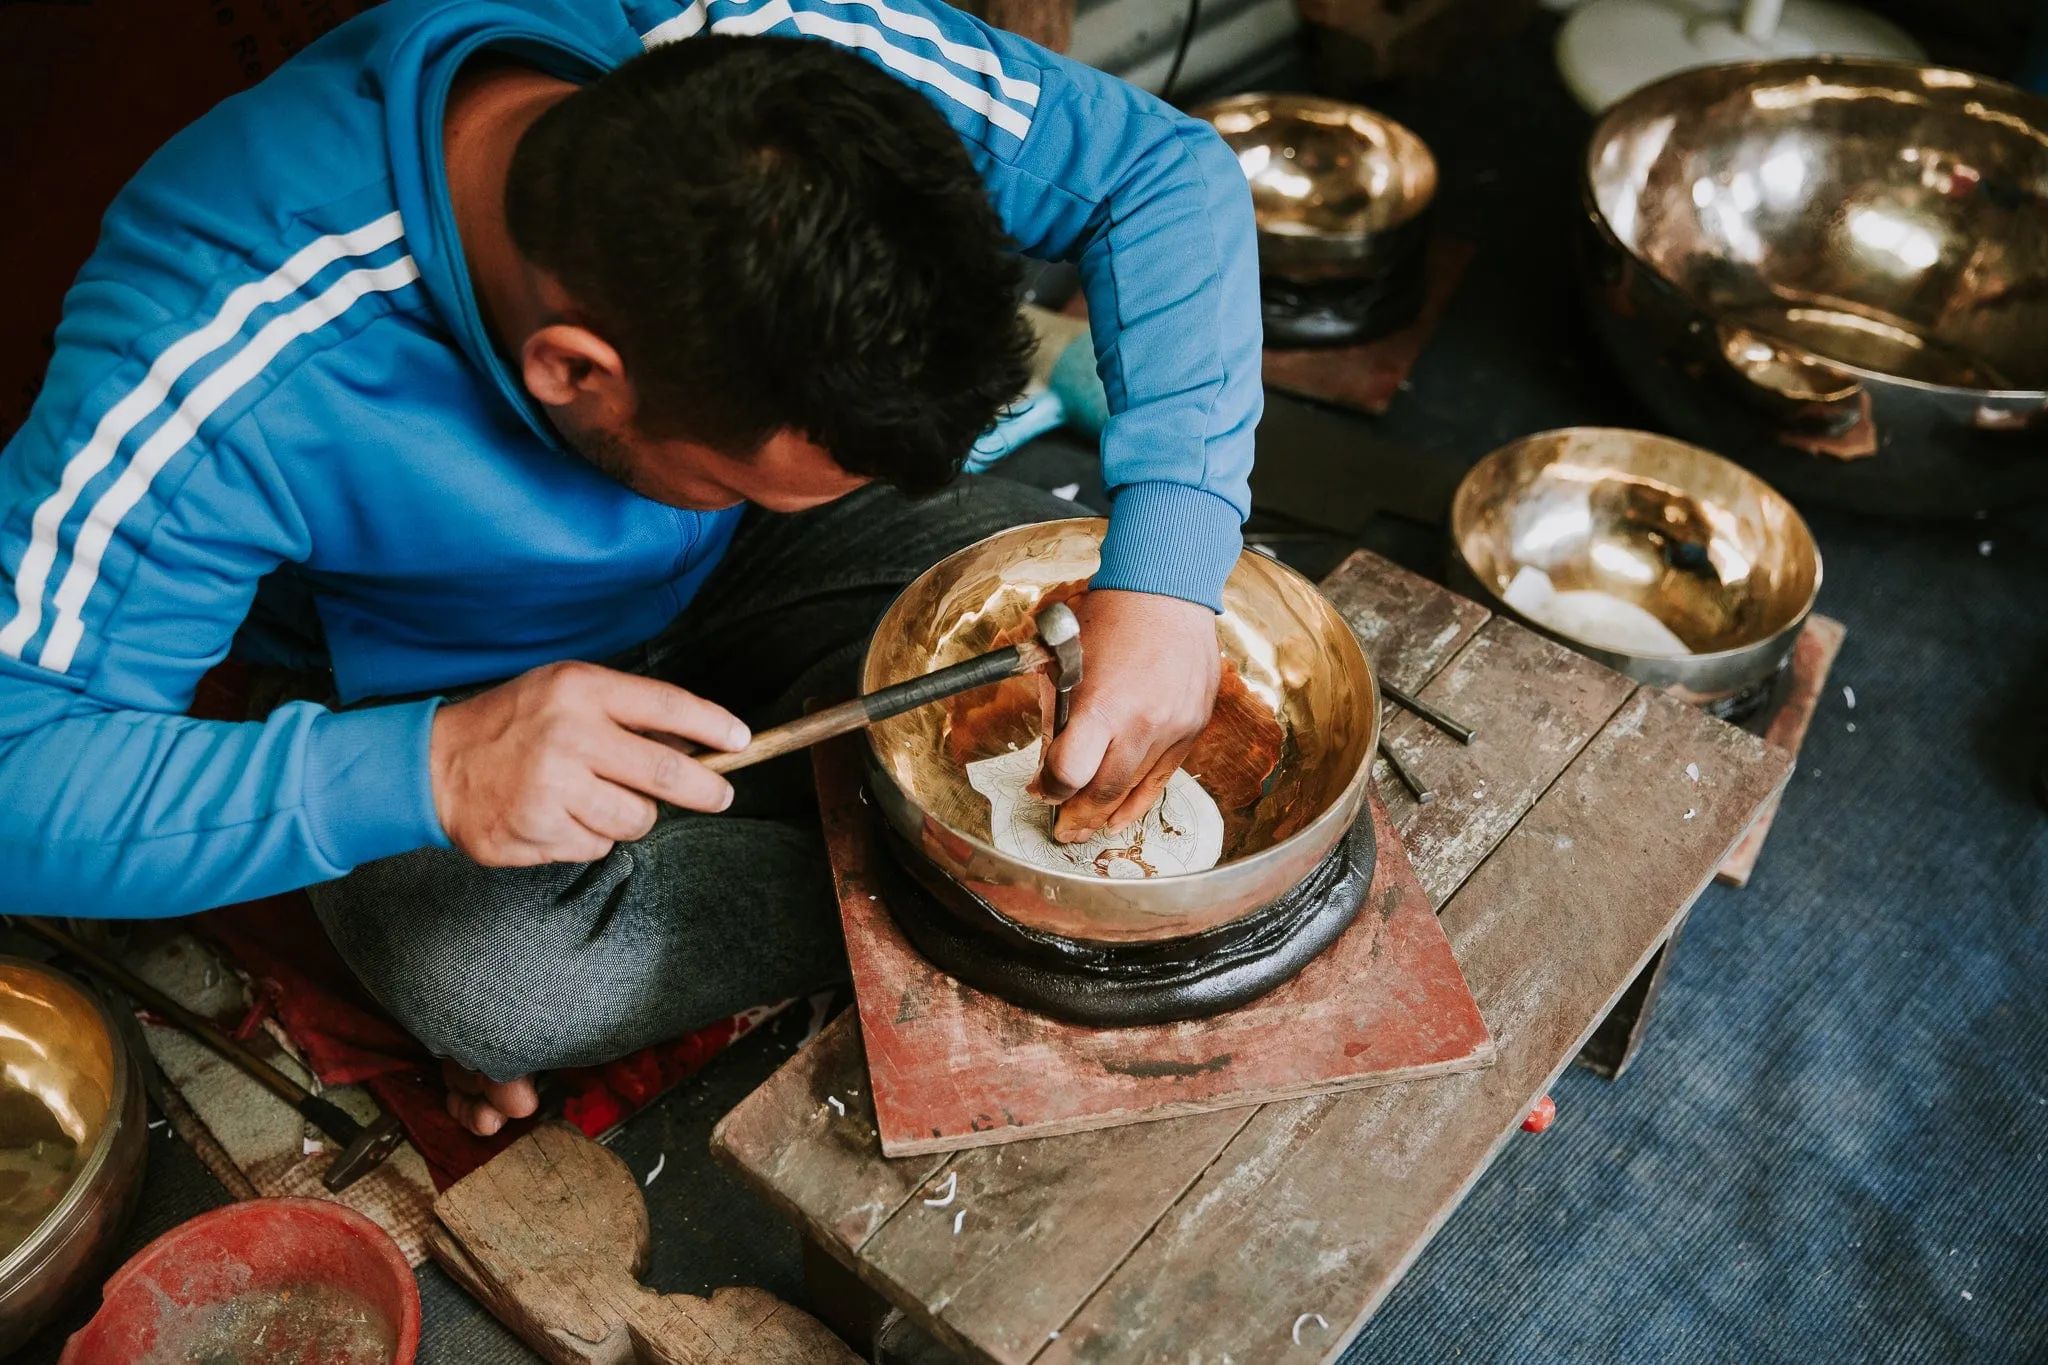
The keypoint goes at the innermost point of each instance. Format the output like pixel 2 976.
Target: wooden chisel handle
pixel 853 715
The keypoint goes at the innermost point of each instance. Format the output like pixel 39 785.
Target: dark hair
pixel 775 233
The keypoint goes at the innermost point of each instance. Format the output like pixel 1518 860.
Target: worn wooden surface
pixel 951 1067
pixel 1367 376
pixel 1409 626
pixel 1812 658
pixel 1317 1206
pixel 551 1234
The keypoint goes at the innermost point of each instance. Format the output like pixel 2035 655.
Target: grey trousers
pixel 508 971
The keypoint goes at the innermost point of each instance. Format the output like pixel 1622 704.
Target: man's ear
pixel 565 365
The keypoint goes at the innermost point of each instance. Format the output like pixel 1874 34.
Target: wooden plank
pixel 1040 1224
pixel 1320 1205
pixel 951 1067
pixel 819 1162
pixel 551 1235
pixel 1409 626
pixel 1812 658
pixel 1533 704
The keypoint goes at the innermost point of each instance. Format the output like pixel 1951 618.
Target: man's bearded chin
pixel 608 453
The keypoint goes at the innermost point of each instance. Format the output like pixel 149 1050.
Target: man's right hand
pixel 548 768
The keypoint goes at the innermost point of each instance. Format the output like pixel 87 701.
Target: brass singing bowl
pixel 65 1079
pixel 1292 649
pixel 1702 544
pixel 1338 190
pixel 1834 270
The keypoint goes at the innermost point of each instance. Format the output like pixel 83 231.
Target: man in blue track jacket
pixel 529 376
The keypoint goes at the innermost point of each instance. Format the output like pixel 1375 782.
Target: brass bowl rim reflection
pixel 1185 886
pixel 1461 518
pixel 1407 146
pixel 85 1185
pixel 1625 108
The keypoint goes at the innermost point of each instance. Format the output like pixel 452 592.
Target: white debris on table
pixel 958 1219
pixel 952 1187
pixel 1849 697
pixel 1067 492
pixel 659 1165
pixel 1692 770
pixel 1306 1318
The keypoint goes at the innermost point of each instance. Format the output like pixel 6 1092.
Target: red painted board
pixel 952 1067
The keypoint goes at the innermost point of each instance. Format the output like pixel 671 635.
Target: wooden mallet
pixel 1058 646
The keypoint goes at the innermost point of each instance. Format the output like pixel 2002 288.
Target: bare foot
pixel 483 1105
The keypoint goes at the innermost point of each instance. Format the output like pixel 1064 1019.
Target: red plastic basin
pixel 264 1282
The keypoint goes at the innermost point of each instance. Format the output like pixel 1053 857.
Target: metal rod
pixel 1463 734
pixel 883 703
pixel 1423 795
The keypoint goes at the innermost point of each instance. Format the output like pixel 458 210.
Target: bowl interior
pixel 1886 216
pixel 57 1079
pixel 1703 545
pixel 1289 645
pixel 1324 168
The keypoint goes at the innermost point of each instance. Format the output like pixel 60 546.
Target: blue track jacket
pixel 274 422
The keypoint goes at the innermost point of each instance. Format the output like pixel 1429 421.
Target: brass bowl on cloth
pixel 71 1129
pixel 1834 270
pixel 1341 196
pixel 1702 544
pixel 1288 643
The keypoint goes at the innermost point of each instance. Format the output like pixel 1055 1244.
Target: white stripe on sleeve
pixel 685 25
pixel 755 20
pixel 922 69
pixel 146 397
pixel 960 54
pixel 205 399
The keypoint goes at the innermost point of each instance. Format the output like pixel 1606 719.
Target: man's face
pixel 787 474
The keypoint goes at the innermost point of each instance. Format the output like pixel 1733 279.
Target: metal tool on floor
pixel 1463 734
pixel 363 1148
pixel 1423 795
pixel 1058 647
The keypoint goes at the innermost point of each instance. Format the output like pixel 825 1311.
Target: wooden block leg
pixel 551 1234
pixel 1613 1045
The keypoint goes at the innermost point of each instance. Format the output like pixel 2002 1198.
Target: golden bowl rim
pixel 1602 130
pixel 82 1186
pixel 1163 886
pixel 1412 208
pixel 1502 452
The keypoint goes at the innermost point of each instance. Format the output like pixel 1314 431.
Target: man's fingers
pixel 648 704
pixel 1090 809
pixel 1147 793
pixel 612 812
pixel 1073 759
pixel 662 771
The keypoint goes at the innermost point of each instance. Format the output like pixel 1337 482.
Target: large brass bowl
pixel 1706 547
pixel 1336 187
pixel 1835 271
pixel 1290 645
pixel 65 1079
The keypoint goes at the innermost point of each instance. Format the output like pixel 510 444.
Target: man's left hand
pixel 1148 680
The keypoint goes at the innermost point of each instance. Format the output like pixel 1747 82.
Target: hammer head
pixel 364 1153
pixel 1060 629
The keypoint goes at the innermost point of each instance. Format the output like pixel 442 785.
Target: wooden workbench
pixel 1563 847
